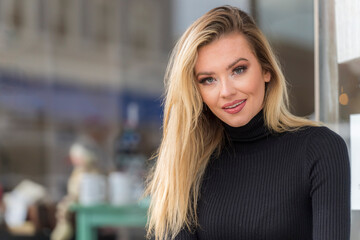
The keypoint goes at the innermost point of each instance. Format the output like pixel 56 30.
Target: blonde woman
pixel 234 163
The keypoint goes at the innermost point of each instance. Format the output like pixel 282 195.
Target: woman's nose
pixel 227 88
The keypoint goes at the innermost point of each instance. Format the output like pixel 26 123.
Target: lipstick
pixel 235 106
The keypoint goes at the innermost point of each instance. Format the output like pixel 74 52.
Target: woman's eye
pixel 239 70
pixel 207 80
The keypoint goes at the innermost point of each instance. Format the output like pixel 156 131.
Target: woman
pixel 234 163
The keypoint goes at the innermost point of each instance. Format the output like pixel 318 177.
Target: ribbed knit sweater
pixel 288 186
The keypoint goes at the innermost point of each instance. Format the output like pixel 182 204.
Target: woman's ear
pixel 267 76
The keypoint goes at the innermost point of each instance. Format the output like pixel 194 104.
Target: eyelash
pixel 235 71
pixel 240 68
pixel 204 80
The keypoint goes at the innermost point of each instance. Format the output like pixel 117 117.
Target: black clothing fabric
pixel 266 186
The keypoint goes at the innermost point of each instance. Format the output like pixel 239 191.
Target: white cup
pixel 119 188
pixel 92 189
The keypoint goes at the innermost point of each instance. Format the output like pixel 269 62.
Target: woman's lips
pixel 235 106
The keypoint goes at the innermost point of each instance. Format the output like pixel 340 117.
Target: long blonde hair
pixel 192 134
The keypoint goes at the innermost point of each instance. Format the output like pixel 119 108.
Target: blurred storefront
pixel 71 68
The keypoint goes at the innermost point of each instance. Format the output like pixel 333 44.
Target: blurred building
pixel 71 67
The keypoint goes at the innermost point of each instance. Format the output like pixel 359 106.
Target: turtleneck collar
pixel 253 130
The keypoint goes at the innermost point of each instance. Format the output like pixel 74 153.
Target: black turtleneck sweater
pixel 288 186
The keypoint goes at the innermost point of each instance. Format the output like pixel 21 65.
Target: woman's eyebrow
pixel 228 67
pixel 235 62
pixel 204 73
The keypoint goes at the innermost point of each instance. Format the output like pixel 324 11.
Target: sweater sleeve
pixel 328 170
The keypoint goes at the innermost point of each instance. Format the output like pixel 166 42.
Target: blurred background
pixel 93 69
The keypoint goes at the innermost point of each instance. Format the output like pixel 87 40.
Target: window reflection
pixel 349 86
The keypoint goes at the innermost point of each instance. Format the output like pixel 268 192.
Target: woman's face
pixel 230 79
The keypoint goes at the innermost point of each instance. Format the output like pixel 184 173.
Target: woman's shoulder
pixel 317 137
pixel 320 133
pixel 316 132
pixel 321 141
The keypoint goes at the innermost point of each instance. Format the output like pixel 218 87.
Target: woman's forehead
pixel 225 49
